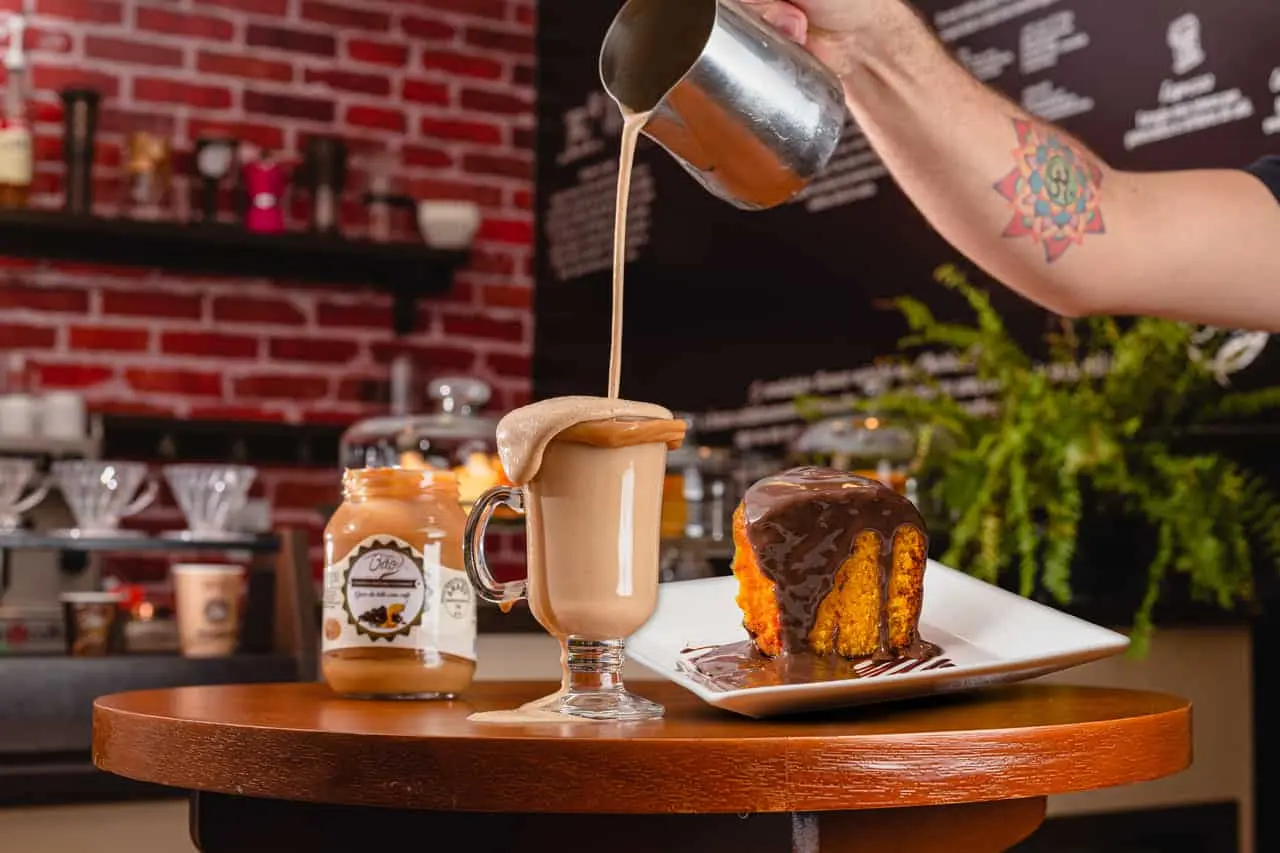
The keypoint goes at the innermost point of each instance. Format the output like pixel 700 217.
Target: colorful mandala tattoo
pixel 1054 191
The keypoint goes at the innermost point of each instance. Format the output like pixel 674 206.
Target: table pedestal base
pixel 226 824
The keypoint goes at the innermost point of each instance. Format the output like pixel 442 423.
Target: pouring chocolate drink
pixel 588 475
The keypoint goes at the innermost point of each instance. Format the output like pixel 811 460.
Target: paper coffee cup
pixel 207 601
pixel 94 626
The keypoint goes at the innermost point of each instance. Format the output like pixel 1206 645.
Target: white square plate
pixel 990 635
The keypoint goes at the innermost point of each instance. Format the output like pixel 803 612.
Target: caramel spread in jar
pixel 399 613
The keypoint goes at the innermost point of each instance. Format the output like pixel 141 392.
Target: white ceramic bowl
pixel 448 224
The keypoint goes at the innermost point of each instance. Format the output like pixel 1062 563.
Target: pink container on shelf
pixel 264 182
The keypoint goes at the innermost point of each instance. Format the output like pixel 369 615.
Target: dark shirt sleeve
pixel 1268 171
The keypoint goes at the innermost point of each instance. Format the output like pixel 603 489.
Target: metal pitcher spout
pixel 753 116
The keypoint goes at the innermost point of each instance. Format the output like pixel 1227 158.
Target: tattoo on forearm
pixel 1055 190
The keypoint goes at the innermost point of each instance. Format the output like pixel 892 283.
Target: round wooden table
pixel 293 767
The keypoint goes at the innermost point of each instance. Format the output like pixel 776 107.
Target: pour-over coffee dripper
pixel 100 494
pixel 16 475
pixel 210 496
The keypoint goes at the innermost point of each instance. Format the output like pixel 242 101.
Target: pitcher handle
pixel 473 546
pixel 34 498
pixel 143 500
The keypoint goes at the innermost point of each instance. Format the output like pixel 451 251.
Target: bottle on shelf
pixel 16 161
pixel 378 197
pixel 80 127
pixel 324 176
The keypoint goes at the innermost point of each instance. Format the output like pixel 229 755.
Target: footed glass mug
pixel 592 515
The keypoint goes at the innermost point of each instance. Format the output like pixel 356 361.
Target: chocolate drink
pixel 592 469
pixel 593 529
pixel 589 473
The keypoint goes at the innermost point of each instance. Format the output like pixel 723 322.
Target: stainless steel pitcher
pixel 748 112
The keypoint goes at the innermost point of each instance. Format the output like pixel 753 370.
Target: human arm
pixel 1196 245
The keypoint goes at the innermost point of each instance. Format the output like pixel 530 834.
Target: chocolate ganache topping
pixel 802 525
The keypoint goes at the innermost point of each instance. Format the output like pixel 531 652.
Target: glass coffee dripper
pixel 209 496
pixel 100 494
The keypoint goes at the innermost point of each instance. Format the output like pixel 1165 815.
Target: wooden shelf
pixel 264 444
pixel 408 271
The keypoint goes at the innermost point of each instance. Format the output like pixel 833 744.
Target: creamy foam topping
pixel 523 434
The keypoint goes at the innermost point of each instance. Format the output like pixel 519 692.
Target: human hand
pixel 835 30
pixel 823 26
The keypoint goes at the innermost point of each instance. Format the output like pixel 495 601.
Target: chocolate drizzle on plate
pixel 803 525
pixel 738 666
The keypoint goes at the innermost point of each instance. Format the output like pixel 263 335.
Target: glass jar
pixel 148 173
pixel 399 613
pixel 455 438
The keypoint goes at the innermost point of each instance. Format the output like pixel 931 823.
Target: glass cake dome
pixel 455 437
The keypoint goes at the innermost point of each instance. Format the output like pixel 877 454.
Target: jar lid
pixel 406 481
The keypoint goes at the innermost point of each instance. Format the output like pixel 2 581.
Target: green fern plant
pixel 1014 483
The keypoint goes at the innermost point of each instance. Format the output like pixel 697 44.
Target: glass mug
pixel 592 516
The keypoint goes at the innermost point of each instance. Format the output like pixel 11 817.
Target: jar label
pixel 385 591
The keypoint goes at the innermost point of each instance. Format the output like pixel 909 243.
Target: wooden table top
pixel 301 742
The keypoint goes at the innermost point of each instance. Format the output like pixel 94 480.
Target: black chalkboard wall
pixel 720 300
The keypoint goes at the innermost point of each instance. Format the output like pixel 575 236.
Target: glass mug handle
pixel 473 546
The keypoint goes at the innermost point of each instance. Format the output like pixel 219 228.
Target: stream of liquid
pixel 632 123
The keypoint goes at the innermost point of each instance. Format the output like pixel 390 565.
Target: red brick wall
pixel 448 83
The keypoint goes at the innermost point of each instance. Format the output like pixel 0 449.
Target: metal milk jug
pixel 748 112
